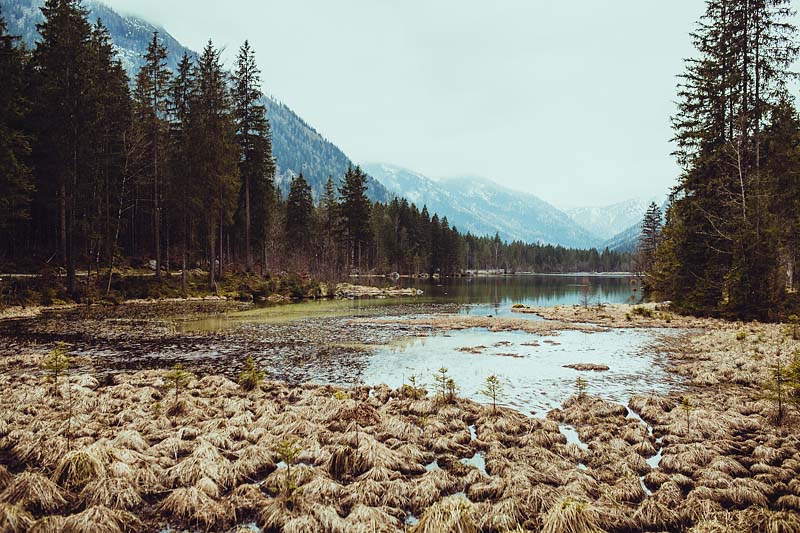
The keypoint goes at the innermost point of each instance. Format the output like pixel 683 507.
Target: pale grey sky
pixel 567 100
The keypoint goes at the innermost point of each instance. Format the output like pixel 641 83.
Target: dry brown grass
pixel 48 524
pixel 194 508
pixel 571 515
pixel 99 518
pixel 35 492
pixel 205 461
pixel 454 514
pixel 111 492
pixel 375 519
pixel 79 467
pixel 14 518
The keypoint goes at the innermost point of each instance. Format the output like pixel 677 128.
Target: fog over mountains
pixel 472 204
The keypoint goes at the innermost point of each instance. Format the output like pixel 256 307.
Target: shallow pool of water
pixel 531 367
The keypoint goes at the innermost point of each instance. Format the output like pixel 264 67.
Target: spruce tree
pixel 299 207
pixel 16 180
pixel 648 239
pixel 152 91
pixel 63 90
pixel 183 195
pixel 257 167
pixel 719 249
pixel 355 208
pixel 215 152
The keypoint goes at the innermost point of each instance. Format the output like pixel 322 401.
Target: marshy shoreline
pixel 119 452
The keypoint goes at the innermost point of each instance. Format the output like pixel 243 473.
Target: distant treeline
pixel 177 169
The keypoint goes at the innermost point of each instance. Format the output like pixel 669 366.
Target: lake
pixel 531 366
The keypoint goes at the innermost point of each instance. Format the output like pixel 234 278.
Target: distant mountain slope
pixel 626 240
pixel 608 221
pixel 482 207
pixel 296 145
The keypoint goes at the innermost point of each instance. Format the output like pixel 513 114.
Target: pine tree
pixel 152 91
pixel 355 208
pixel 257 167
pixel 63 90
pixel 183 195
pixel 648 239
pixel 16 180
pixel 215 152
pixel 299 207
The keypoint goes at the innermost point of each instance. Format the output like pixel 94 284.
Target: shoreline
pixel 372 455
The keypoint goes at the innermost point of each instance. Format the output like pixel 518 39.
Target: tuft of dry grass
pixel 100 518
pixel 48 524
pixel 111 492
pixel 655 515
pixel 35 492
pixel 194 508
pixel 79 467
pixel 453 513
pixel 5 477
pixel 375 519
pixel 571 515
pixel 14 518
pixel 205 461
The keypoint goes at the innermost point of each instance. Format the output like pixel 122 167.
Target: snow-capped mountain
pixel 296 145
pixel 608 221
pixel 482 207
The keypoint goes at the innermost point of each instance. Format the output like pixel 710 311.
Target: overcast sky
pixel 567 100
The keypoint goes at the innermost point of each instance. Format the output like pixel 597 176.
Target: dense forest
pixel 174 170
pixel 729 244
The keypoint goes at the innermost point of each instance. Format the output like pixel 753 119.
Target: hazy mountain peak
pixel 480 206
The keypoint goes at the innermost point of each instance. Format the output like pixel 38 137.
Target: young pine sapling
pixel 288 450
pixel 177 378
pixel 441 378
pixel 687 407
pixel 492 389
pixel 251 376
pixel 580 386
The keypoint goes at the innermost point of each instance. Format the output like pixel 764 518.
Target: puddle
pixel 477 460
pixel 572 436
pixel 655 460
pixel 433 466
pixel 646 490
pixel 411 520
pixel 631 414
pixel 473 433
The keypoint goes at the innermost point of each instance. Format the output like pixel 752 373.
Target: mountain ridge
pixel 480 206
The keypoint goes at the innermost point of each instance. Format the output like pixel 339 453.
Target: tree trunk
pixel 248 255
pixel 156 211
pixel 212 285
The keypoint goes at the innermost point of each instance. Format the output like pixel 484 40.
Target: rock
pixel 587 367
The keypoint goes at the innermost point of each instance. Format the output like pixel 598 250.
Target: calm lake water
pixel 496 295
pixel 530 365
